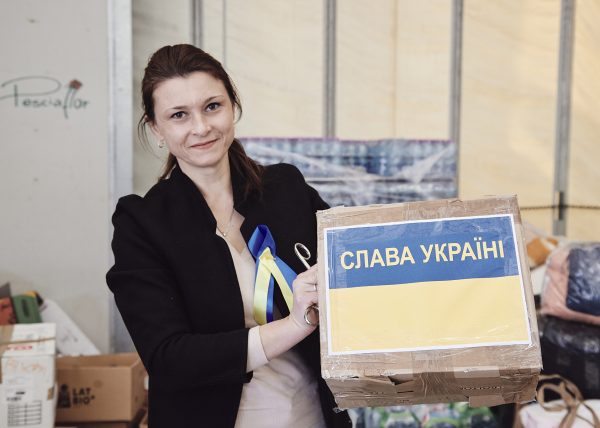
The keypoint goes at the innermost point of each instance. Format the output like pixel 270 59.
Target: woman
pixel 183 277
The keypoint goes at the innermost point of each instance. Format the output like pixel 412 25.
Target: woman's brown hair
pixel 180 61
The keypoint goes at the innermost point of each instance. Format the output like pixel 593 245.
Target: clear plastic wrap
pixel 354 172
pixel 583 294
pixel 400 330
pixel 572 350
pixel 569 292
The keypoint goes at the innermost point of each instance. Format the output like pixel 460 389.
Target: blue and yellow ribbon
pixel 269 268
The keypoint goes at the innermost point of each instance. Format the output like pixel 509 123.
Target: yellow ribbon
pixel 265 269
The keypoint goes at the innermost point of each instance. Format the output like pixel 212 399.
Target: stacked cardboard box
pixel 427 302
pixel 27 375
pixel 102 391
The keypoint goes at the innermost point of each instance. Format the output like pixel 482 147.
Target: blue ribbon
pixel 262 247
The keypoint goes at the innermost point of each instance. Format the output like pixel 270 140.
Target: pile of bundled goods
pixel 569 337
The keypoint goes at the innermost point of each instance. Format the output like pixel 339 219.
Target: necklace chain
pixel 226 231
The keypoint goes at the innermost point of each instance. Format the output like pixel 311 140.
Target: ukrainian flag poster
pixel 424 284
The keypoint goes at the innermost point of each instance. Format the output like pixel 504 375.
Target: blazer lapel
pixel 253 208
pixel 195 239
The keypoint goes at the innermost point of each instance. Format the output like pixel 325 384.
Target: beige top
pixel 282 392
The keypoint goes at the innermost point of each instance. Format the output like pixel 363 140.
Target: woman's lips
pixel 203 145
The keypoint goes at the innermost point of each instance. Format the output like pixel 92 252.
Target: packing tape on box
pixel 478 378
pixel 451 208
pixel 50 392
pixel 482 381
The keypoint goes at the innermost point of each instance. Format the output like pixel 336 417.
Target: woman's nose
pixel 200 125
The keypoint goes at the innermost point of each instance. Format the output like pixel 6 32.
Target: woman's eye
pixel 213 106
pixel 178 115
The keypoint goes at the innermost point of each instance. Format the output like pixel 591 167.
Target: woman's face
pixel 195 118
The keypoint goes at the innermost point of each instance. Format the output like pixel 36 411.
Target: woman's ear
pixel 155 131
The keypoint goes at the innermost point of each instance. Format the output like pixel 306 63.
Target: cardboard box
pixel 101 425
pixel 125 424
pixel 100 388
pixel 427 302
pixel 27 376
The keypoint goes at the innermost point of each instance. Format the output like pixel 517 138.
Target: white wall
pixel 54 174
pixel 509 96
pixel 155 24
pixel 584 172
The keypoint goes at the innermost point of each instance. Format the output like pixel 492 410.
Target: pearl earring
pixel 161 144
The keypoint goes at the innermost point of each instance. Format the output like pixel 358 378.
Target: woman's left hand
pixel 281 335
pixel 305 295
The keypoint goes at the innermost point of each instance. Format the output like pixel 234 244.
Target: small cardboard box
pixel 100 388
pixel 27 375
pixel 427 302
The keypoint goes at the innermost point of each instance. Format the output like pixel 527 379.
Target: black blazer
pixel 176 288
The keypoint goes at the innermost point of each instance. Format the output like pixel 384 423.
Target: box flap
pixel 27 340
pixel 112 361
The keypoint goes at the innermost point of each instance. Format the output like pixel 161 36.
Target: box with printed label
pixel 27 375
pixel 100 388
pixel 427 302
